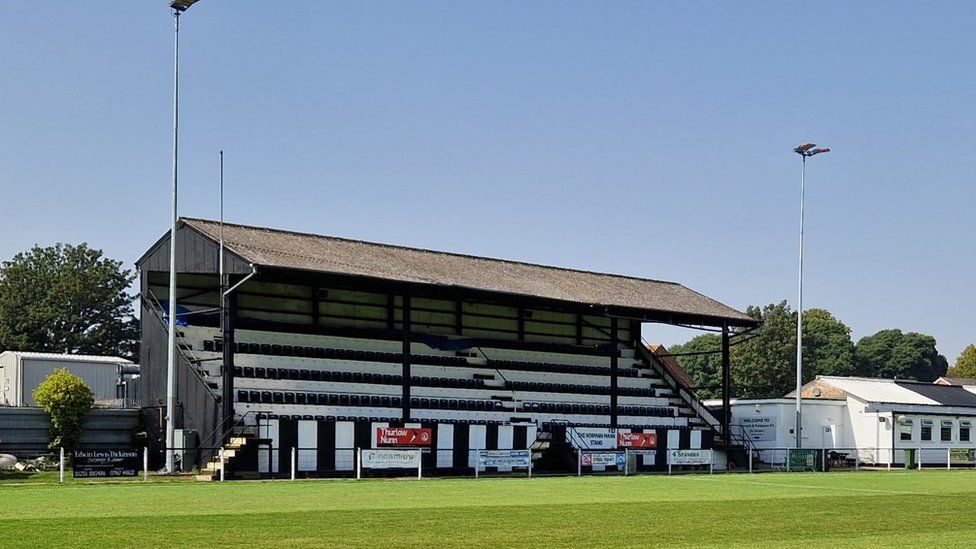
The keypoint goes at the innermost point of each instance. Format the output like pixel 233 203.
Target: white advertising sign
pixel 689 457
pixel 759 428
pixel 504 458
pixel 595 438
pixel 390 459
pixel 605 459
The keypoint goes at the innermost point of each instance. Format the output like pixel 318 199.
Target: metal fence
pixel 275 462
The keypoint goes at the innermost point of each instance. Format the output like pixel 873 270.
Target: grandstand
pixel 323 341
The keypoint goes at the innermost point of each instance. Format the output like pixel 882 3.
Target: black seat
pixel 385 401
pixel 287 350
pixel 343 400
pixel 273 373
pixel 260 373
pixel 289 398
pixel 248 371
pixel 333 399
pixel 266 397
pixel 300 398
pixel 357 377
pixel 316 375
pixel 279 397
pixel 347 377
pixel 374 400
pixel 265 348
pixel 306 375
pixel 243 396
pixel 312 398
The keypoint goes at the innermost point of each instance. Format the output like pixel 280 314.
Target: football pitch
pixel 864 509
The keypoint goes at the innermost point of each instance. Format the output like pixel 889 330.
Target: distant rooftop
pixel 68 358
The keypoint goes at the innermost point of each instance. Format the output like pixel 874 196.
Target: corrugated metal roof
pixel 877 390
pixel 69 358
pixel 290 250
pixel 947 395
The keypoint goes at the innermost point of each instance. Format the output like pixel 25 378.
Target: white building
pixel 872 420
pixel 22 372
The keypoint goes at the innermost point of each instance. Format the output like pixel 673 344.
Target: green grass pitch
pixel 864 509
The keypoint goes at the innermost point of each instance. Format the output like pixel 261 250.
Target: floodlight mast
pixel 178 7
pixel 805 150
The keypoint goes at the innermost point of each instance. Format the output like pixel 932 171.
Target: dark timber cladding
pixel 322 285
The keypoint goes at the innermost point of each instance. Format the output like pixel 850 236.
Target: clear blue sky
pixel 646 138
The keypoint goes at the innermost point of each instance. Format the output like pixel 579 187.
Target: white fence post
pixel 711 461
pixel 222 461
pixel 891 456
pixel 579 463
pixel 477 463
pixel 750 460
pixel 530 464
pixel 145 464
pixel 359 463
pixel 918 459
pixel 626 462
pixel 293 464
pixel 61 465
pixel 948 459
pixel 420 465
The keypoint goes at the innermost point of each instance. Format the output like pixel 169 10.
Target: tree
pixel 893 354
pixel 965 364
pixel 763 365
pixel 704 369
pixel 827 346
pixel 66 398
pixel 66 299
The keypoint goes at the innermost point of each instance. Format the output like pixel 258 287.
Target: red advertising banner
pixel 402 436
pixel 636 440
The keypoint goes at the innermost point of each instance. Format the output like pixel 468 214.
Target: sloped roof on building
pixel 661 353
pixel 325 254
pixel 947 395
pixel 893 391
pixel 68 358
pixel 945 380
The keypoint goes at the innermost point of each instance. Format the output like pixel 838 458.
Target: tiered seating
pixel 577 389
pixel 598 409
pixel 330 353
pixel 359 378
pixel 560 368
pixel 354 377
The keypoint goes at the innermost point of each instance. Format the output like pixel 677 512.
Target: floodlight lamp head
pixel 818 150
pixel 182 5
pixel 802 149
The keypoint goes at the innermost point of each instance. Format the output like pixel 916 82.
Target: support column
pixel 726 384
pixel 405 371
pixel 228 312
pixel 614 356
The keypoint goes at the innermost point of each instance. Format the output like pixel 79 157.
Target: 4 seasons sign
pixel 689 457
pixel 106 463
pixel 403 436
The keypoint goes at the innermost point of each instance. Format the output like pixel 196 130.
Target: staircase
pixel 552 451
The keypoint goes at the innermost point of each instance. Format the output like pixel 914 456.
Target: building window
pixel 926 430
pixel 964 427
pixel 945 433
pixel 906 430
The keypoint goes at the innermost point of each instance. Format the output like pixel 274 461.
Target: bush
pixel 66 398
